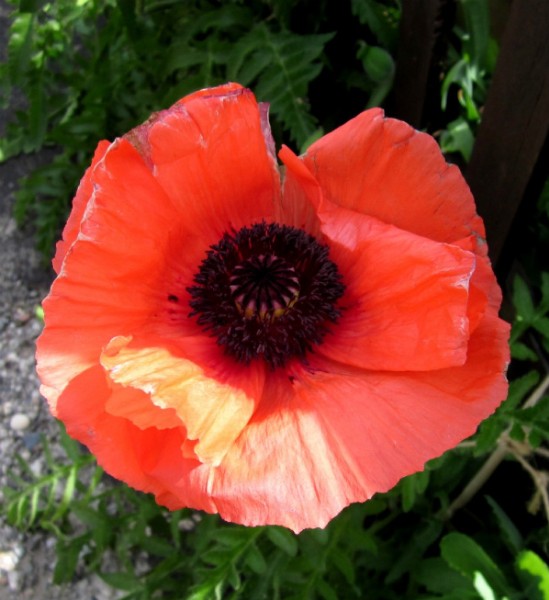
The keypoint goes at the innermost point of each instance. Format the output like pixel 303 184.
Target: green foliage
pixel 529 316
pixel 464 555
pixel 379 66
pixel 43 500
pixel 529 562
pixel 526 578
pixel 381 19
pixel 466 79
pixel 470 65
pixel 279 67
pixel 458 137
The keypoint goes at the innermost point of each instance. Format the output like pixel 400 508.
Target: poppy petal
pixel 340 435
pixel 210 154
pixel 137 406
pixel 149 459
pixel 406 299
pixel 484 291
pixel 138 230
pixel 212 413
pixel 282 469
pixel 385 168
pixel 110 280
pixel 80 202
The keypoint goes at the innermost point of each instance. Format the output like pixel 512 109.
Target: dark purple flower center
pixel 267 291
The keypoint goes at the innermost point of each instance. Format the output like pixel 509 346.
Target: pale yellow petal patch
pixel 213 413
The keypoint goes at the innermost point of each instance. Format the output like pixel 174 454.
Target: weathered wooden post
pixel 515 122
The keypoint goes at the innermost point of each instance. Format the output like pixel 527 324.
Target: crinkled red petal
pixel 83 195
pixel 406 300
pixel 337 435
pixel 384 168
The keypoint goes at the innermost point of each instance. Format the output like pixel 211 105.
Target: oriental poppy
pixel 270 351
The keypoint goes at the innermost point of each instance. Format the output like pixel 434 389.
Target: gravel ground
pixel 26 559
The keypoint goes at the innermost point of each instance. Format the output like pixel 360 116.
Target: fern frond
pixel 279 67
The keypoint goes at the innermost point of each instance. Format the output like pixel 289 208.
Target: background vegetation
pixel 86 70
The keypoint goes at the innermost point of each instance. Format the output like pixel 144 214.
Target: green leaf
pixel 517 432
pixel 477 23
pixel 438 577
pixel 234 577
pixel 519 388
pixel 94 519
pixel 544 304
pixel 39 313
pixel 11 147
pixel 98 522
pixel 156 546
pixel 510 533
pixel 542 325
pixel 455 74
pixel 182 56
pixel 458 137
pixel 200 592
pixel 20 47
pixel 70 487
pixel 379 67
pixel 534 421
pixel 70 446
pixel 231 537
pixel 413 550
pixel 221 18
pixel 122 581
pixel 67 555
pixel 531 563
pixel 488 434
pixel 520 351
pixel 283 539
pixel 216 557
pixel 380 18
pixel 467 557
pixel 412 487
pixel 33 511
pixel 522 301
pixel 326 591
pixel 344 565
pixel 255 560
pixel 377 62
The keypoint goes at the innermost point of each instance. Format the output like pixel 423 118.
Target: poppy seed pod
pixel 271 348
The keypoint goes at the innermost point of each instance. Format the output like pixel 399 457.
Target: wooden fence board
pixel 515 121
pixel 421 23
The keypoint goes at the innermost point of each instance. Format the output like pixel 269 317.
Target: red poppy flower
pixel 271 352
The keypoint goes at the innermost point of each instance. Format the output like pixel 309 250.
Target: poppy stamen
pixel 267 291
pixel 264 286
